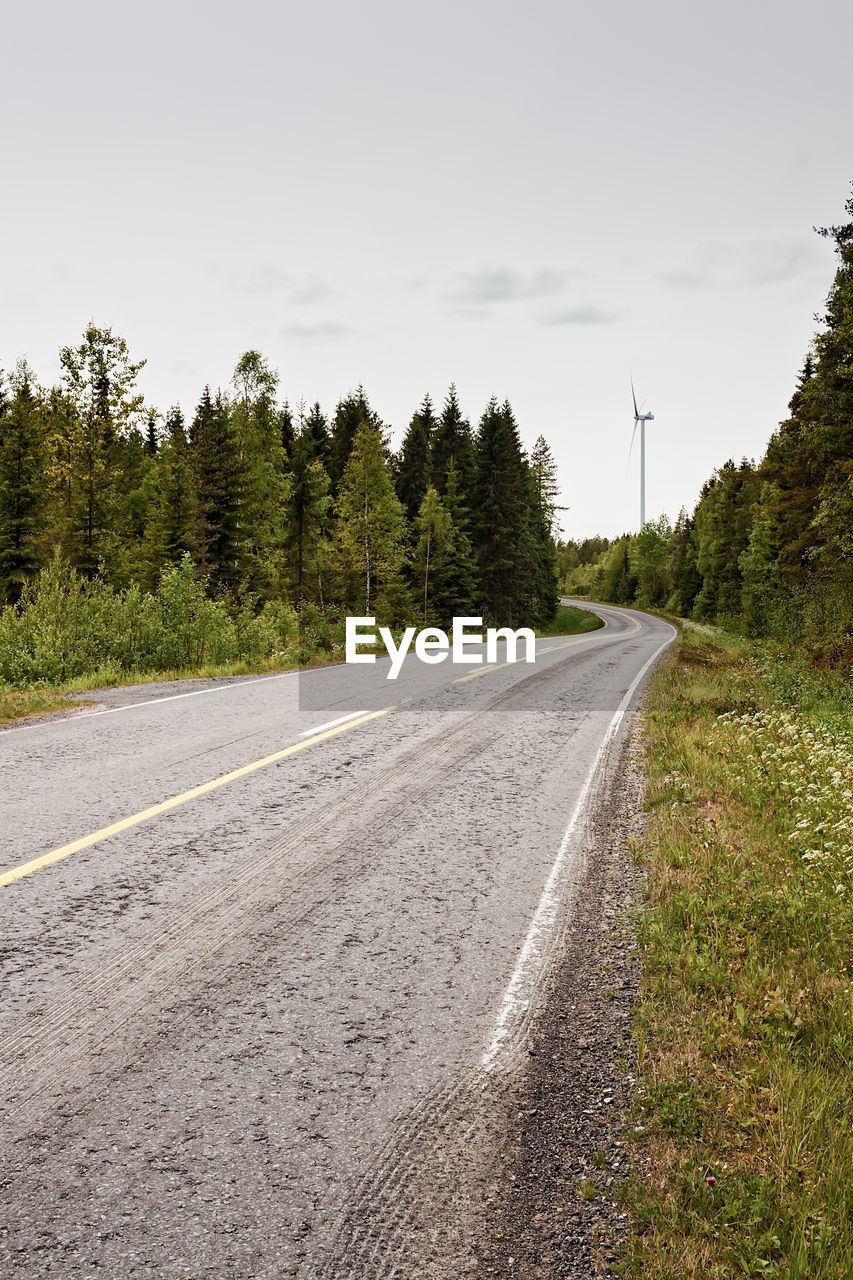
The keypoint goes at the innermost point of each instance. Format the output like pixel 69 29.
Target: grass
pixel 744 1028
pixel 569 621
pixel 18 704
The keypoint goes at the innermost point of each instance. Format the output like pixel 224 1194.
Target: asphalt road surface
pixel 271 949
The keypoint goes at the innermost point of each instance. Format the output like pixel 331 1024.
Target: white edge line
pixel 534 950
pixel 150 702
pixel 330 724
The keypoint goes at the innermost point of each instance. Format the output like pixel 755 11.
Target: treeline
pixel 266 504
pixel 769 546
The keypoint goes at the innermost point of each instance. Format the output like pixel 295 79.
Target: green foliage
pixel 435 533
pixel 251 508
pixel 501 513
pixel 414 463
pixel 371 523
pixel 23 458
pixel 66 626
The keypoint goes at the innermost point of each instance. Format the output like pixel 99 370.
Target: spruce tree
pixel 414 462
pixel 452 440
pixel 215 462
pixel 544 470
pixel 99 379
pixel 352 412
pixel 371 524
pixel 286 429
pixel 315 429
pixel 178 495
pixel 307 512
pixel 501 515
pixel 456 590
pixel 22 493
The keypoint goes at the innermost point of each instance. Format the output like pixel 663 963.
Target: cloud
pixel 499 284
pixel 581 315
pixel 324 331
pixel 264 279
pixel 746 263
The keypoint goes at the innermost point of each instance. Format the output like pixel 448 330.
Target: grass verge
pixel 744 1028
pixel 18 704
pixel 569 621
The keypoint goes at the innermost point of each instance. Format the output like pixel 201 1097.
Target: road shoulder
pixel 554 1210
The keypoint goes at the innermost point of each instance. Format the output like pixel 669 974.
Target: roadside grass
pixel 744 1026
pixel 569 621
pixel 17 704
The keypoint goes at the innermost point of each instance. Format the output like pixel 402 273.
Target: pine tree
pixel 371 522
pixel 544 470
pixel 99 379
pixel 22 494
pixel 288 434
pixel 684 576
pixel 415 459
pixel 352 412
pixel 178 497
pixel 452 440
pixel 315 429
pixel 216 466
pixel 501 514
pixel 307 512
pixel 151 442
pixel 456 589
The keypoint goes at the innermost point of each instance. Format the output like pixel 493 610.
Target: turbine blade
pixel 634 397
pixel 630 449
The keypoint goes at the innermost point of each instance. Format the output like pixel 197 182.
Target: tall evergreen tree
pixel 288 433
pixel 371 521
pixel 315 429
pixel 352 412
pixel 547 487
pixel 307 512
pixel 261 480
pixel 178 495
pixel 99 379
pixel 452 440
pixel 414 463
pixel 216 466
pixel 456 588
pixel 22 492
pixel 501 514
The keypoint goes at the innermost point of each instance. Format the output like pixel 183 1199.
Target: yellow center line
pixel 583 640
pixel 47 859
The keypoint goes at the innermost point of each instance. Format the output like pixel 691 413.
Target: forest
pixel 247 530
pixel 768 549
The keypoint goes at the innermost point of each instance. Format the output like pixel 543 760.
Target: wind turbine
pixel 642 418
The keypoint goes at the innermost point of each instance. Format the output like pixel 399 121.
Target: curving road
pixel 271 949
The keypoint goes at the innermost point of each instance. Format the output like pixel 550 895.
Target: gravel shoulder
pixel 566 1137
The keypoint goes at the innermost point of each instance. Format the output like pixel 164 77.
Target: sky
pixel 533 201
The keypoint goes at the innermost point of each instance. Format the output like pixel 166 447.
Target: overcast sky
pixel 526 199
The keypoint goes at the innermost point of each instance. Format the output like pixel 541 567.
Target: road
pixel 265 1030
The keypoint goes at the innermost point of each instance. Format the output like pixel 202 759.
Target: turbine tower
pixel 642 418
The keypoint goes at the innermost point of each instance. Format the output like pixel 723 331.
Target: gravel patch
pixel 556 1211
